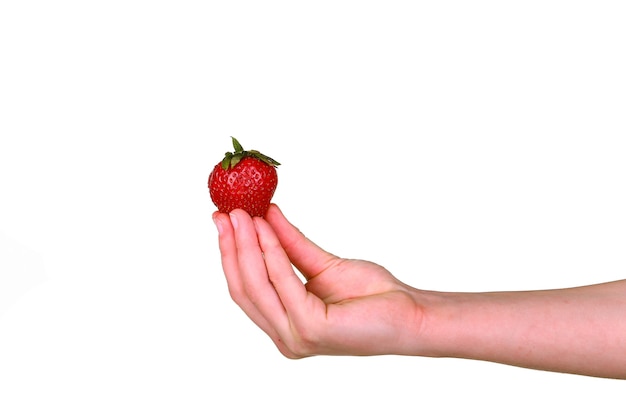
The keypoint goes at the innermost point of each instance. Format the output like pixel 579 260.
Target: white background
pixel 466 146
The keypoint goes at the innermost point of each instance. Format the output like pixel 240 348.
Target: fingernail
pixel 218 224
pixel 233 220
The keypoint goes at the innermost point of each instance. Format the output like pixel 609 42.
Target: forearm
pixel 577 330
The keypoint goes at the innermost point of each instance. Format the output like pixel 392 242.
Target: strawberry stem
pixel 231 159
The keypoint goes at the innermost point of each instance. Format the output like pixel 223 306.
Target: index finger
pixel 305 255
pixel 290 289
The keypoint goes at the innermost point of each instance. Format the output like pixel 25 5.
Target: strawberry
pixel 243 179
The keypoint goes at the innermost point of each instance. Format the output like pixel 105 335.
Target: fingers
pixel 241 262
pixel 257 256
pixel 235 278
pixel 254 273
pixel 228 249
pixel 309 258
pixel 286 283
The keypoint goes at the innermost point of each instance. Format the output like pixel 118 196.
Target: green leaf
pixel 270 161
pixel 236 158
pixel 226 161
pixel 264 158
pixel 237 145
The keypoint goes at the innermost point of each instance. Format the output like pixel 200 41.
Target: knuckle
pixel 306 342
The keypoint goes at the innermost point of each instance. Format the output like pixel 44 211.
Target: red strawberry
pixel 244 179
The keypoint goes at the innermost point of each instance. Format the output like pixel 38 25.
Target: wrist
pixel 434 337
pixel 457 324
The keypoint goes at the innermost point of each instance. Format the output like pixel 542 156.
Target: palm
pixel 363 308
pixel 349 279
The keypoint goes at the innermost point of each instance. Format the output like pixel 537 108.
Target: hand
pixel 346 307
pixel 350 307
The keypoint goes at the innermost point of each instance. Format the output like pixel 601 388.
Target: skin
pixel 355 307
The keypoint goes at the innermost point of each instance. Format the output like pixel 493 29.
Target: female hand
pixel 346 307
pixel 350 307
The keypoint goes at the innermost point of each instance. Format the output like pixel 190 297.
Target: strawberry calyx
pixel 232 158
